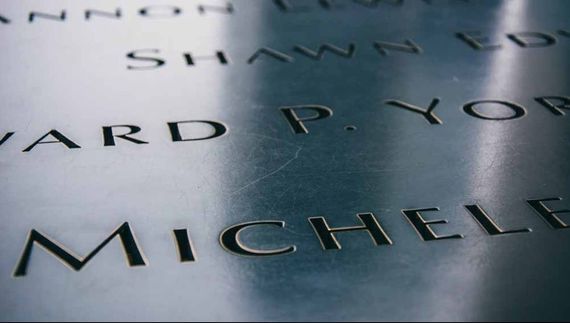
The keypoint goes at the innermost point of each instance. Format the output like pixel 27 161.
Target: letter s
pixel 157 61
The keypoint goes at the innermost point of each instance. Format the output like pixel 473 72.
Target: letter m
pixel 134 255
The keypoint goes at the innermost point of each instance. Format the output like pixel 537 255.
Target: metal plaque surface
pixel 284 160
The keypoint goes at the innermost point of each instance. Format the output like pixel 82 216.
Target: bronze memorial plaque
pixel 285 160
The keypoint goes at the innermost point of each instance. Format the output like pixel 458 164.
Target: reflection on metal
pixel 223 132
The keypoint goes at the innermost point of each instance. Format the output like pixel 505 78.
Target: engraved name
pixel 155 58
pixel 205 8
pixel 300 118
pixel 424 221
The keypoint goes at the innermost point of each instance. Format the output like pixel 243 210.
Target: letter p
pixel 297 122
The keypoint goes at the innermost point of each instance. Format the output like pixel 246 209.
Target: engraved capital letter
pixel 328 239
pixel 229 239
pixel 115 15
pixel 549 215
pixel 109 137
pixel 518 111
pixel 160 11
pixel 134 255
pixel 33 15
pixel 218 130
pixel 320 53
pixel 57 135
pixel 298 123
pixel 476 41
pixel 286 6
pixel 532 39
pixel 408 47
pixel 488 224
pixel 158 62
pixel 220 56
pixel 428 114
pixel 4 20
pixel 556 104
pixel 228 9
pixel 6 137
pixel 185 249
pixel 271 53
pixel 423 227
